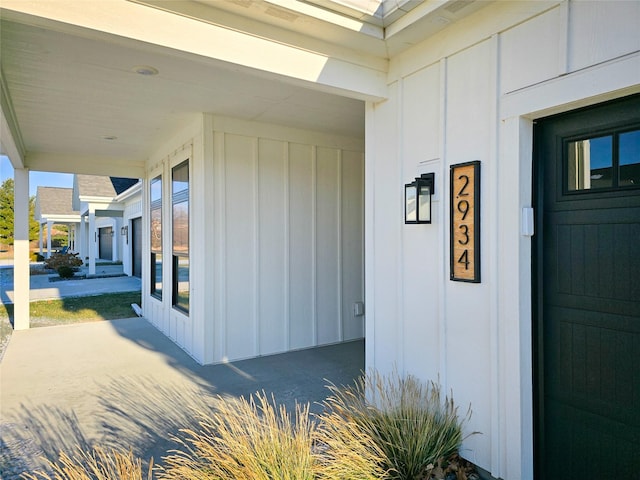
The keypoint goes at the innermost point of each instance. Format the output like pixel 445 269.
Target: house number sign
pixel 465 222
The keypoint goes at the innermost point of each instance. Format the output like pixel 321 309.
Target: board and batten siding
pixel 290 244
pixel 276 239
pixel 468 93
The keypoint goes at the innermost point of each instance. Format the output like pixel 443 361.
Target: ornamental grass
pixel 378 428
pixel 245 440
pixel 98 464
pixel 257 440
pixel 410 422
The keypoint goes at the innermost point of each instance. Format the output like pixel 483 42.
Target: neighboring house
pixel 109 221
pixel 275 140
pixel 104 218
pixel 54 206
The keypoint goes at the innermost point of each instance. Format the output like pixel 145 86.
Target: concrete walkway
pixel 41 288
pixel 124 383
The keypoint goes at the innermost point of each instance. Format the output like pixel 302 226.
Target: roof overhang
pixel 74 100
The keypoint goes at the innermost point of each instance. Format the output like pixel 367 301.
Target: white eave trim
pixel 129 192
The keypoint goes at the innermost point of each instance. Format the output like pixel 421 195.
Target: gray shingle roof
pixel 95 186
pixel 55 201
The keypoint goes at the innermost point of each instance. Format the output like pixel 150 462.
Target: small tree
pixel 7 213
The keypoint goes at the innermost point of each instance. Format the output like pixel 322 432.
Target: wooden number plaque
pixel 465 222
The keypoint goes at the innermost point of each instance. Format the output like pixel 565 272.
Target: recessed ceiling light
pixel 110 137
pixel 145 70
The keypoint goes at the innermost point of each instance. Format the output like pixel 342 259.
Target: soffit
pixel 72 92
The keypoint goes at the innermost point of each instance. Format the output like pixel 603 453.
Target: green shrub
pixel 65 272
pixel 410 422
pixel 99 464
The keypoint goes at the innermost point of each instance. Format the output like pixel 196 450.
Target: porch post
pixel 49 223
pixel 21 249
pixel 82 235
pixel 40 236
pixel 92 240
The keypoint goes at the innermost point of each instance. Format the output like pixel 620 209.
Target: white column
pixel 21 250
pixel 40 236
pixel 115 242
pixel 82 240
pixel 92 240
pixel 49 223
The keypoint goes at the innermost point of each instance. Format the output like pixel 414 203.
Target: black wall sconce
pixel 417 199
pixel 124 231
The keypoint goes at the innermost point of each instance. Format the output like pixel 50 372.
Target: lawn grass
pixel 64 311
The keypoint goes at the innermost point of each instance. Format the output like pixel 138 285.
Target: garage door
pixel 587 302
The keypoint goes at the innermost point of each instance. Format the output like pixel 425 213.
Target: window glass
pixel 180 234
pixel 155 216
pixel 629 158
pixel 181 227
pixel 156 189
pixel 181 283
pixel 156 274
pixel 156 229
pixel 590 163
pixel 180 178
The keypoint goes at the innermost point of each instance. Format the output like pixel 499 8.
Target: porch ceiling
pixel 78 105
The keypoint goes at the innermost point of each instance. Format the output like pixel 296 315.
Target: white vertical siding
pixel 285 283
pixel 240 161
pixel 421 139
pixel 351 265
pixel 601 31
pixel 327 241
pixel 542 38
pixel 302 316
pixel 276 239
pixel 272 295
pixel 383 217
pixel 470 127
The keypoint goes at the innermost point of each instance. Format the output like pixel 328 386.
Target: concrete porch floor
pixel 124 383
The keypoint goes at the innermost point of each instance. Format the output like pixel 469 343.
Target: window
pixel 603 162
pixel 180 215
pixel 156 236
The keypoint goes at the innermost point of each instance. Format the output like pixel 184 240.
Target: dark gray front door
pixel 105 247
pixel 136 246
pixel 587 298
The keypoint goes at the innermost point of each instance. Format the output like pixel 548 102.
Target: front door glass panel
pixel 630 158
pixel 590 163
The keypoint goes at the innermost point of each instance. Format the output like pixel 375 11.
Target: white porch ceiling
pixel 72 89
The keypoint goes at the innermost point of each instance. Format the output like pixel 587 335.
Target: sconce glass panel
pixel 424 209
pixel 411 204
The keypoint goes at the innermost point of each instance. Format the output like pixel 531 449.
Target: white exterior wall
pixel 185 330
pixel 132 210
pixel 276 240
pixel 471 93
